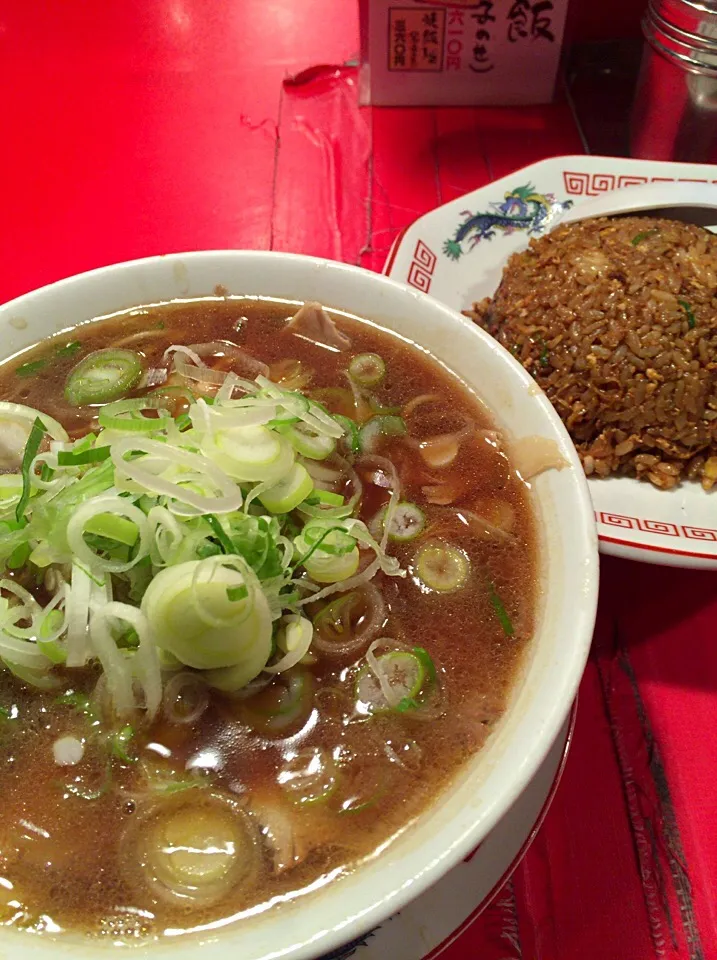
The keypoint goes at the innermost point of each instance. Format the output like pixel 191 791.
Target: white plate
pixel 443 916
pixel 635 520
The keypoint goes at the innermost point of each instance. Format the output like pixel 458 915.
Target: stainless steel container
pixel 675 110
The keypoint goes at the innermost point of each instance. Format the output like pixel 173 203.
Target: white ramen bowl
pixel 339 910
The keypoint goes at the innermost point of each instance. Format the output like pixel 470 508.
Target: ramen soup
pixel 267 576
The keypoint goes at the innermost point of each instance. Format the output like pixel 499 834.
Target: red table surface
pixel 130 128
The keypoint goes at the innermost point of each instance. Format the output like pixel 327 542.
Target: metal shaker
pixel 675 110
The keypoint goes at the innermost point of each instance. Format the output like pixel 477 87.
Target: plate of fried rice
pixel 615 318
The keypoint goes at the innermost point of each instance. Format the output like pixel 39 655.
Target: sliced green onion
pixel 102 376
pixel 309 776
pixel 69 350
pixel 113 527
pixel 407 522
pixel 195 530
pixel 442 567
pixel 19 413
pixel 128 415
pixel 429 666
pixel 331 541
pixel 30 368
pixel 192 617
pixel 309 443
pixel 332 569
pixel 120 741
pixel 330 538
pixel 129 639
pixel 71 458
pixel 543 358
pixel 377 427
pixel 689 312
pixel 32 446
pixel 53 649
pixel 639 237
pixel 325 496
pixel 283 703
pixel 50 623
pixel 406 704
pixel 86 513
pixel 250 453
pixel 351 432
pixel 237 593
pixel 335 618
pixel 289 492
pixel 78 701
pixel 19 557
pixel 500 611
pixel 367 369
pixel 404 675
pixel 220 533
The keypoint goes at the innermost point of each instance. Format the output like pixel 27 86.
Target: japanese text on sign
pixel 482 18
pixel 416 39
pixel 530 19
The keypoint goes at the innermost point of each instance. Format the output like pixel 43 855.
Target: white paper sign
pixel 430 53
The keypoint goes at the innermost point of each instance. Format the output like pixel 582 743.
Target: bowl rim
pixel 584 617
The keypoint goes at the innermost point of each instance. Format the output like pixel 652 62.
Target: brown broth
pixel 65 856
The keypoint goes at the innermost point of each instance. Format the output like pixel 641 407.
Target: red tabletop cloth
pixel 130 128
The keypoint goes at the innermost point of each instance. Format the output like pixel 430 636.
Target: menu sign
pixel 426 52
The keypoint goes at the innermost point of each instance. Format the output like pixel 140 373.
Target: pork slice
pixel 313 322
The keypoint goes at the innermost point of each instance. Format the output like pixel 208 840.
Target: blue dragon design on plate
pixel 523 208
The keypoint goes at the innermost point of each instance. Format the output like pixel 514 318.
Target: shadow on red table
pixel 664 618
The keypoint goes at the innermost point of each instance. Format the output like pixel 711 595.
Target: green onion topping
pixel 367 369
pixel 645 235
pixel 32 447
pixel 689 312
pixel 102 376
pixel 500 610
pixel 71 458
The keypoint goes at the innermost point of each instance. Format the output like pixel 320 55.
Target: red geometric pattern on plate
pixel 581 183
pixel 700 533
pixel 680 180
pixel 590 184
pixel 661 527
pixel 615 520
pixel 422 266
pixel 630 180
pixel 425 256
pixel 657 526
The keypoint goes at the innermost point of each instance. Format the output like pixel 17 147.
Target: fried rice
pixel 616 319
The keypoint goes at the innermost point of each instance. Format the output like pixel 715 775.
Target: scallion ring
pixel 377 427
pixel 367 369
pixel 102 376
pixel 392 684
pixel 407 522
pixel 128 415
pixel 441 567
